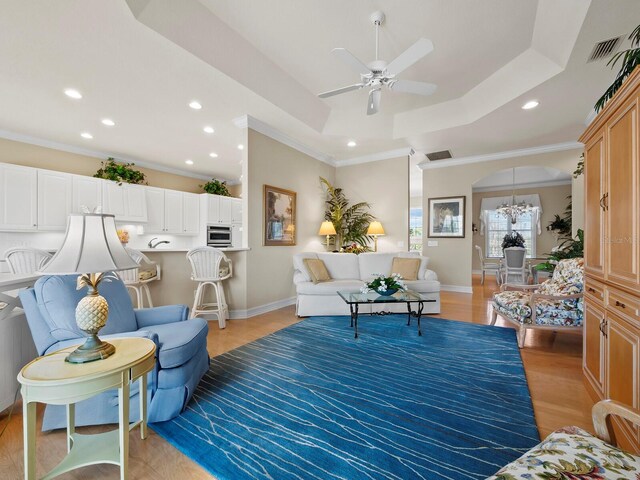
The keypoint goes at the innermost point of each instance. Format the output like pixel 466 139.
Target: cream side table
pixel 49 379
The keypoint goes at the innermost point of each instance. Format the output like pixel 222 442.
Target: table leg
pixel 408 313
pixel 351 312
pixel 143 406
pixel 420 307
pixel 71 424
pixel 29 432
pixel 123 406
pixel 355 320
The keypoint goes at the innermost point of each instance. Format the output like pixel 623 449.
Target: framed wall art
pixel 279 216
pixel 446 217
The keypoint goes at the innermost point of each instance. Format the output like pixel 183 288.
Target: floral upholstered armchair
pixel 556 303
pixel 572 453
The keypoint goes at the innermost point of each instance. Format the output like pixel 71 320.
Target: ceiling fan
pixel 379 73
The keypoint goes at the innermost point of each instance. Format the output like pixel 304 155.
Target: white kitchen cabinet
pixel 54 200
pixel 236 235
pixel 226 205
pixel 172 211
pixel 236 210
pixel 86 192
pixel 190 214
pixel 18 198
pixel 127 202
pixel 213 209
pixel 155 210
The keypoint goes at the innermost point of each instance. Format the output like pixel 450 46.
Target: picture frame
pixel 447 217
pixel 279 208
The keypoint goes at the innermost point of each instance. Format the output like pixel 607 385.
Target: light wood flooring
pixel 552 363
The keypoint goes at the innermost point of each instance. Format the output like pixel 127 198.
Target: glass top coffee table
pixel 354 300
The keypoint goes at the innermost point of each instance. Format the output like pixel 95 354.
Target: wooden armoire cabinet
pixel 611 355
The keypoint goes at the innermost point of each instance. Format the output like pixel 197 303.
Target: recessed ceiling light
pixel 208 129
pixel 240 147
pixel 108 122
pixel 530 104
pixel 189 162
pixel 351 143
pixel 213 155
pixel 195 105
pixel 86 135
pixel 73 93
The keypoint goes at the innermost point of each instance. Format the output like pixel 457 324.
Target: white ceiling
pixel 141 62
pixel 524 177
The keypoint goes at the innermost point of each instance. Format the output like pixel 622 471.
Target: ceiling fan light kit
pixel 379 73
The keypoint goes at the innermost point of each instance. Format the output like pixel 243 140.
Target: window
pixel 415 230
pixel 498 226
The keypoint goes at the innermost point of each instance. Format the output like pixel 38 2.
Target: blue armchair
pixel 181 344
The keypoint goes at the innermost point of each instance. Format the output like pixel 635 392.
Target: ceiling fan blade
pixel 338 91
pixel 409 86
pixel 410 56
pixel 374 102
pixel 350 59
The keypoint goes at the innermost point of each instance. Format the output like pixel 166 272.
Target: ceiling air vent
pixel 604 49
pixel 443 155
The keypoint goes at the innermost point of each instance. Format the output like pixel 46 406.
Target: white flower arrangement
pixel 382 283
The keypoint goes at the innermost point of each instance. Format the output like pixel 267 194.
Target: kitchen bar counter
pixel 185 250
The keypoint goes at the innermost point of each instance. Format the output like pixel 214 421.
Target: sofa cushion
pixel 373 264
pixel 329 288
pixel 58 297
pixel 298 263
pixel 423 286
pixel 317 270
pixel 423 273
pixel 407 268
pixel 341 266
pixel 180 341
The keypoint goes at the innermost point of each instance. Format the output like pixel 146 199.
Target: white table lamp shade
pixel 375 228
pixel 327 228
pixel 91 245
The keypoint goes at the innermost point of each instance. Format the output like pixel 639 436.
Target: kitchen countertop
pixel 185 250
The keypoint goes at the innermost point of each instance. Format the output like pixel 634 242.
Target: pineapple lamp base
pixel 91 350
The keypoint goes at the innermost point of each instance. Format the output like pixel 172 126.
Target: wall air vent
pixel 443 155
pixel 604 49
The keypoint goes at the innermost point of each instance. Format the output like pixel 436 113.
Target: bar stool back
pixel 210 266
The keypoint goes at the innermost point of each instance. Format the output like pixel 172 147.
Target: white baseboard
pixel 456 288
pixel 259 310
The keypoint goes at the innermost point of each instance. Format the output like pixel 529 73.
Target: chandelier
pixel 514 209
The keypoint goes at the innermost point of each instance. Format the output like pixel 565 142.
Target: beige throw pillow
pixel 317 270
pixel 407 268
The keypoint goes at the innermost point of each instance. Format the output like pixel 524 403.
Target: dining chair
pixel 486 265
pixel 514 266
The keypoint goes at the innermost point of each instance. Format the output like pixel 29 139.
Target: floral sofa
pixel 572 453
pixel 553 304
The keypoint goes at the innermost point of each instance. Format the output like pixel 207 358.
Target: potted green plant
pixel 512 239
pixel 120 172
pixel 216 187
pixel 385 285
pixel 570 248
pixel 350 221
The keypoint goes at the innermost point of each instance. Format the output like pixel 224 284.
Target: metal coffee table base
pixel 353 308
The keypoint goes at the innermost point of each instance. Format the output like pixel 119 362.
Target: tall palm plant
pixel 630 60
pixel 350 221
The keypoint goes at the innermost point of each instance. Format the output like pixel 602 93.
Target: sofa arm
pixel 429 275
pixel 161 315
pixel 79 341
pixel 299 277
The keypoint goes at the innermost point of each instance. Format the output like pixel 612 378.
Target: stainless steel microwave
pixel 218 236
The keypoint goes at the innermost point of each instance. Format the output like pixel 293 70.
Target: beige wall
pixel 270 269
pixel 41 157
pixel 553 201
pixel 385 186
pixel 452 258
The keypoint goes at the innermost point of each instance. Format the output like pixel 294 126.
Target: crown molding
pixel 590 117
pixel 557 147
pixel 374 157
pixel 64 147
pixel 247 121
pixel 500 188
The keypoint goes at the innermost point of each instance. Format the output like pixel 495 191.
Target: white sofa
pixel 349 272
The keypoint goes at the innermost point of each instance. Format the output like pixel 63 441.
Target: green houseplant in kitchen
pixel 350 221
pixel 120 172
pixel 385 285
pixel 216 187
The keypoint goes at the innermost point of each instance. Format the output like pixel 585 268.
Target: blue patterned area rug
pixel 311 402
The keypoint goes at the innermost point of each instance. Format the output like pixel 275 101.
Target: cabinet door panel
pixel 621 202
pixel 172 211
pixel 594 211
pixel 213 209
pixel 622 368
pixel 236 210
pixel 155 210
pixel 594 345
pixel 18 198
pixel 113 199
pixel 225 210
pixel 54 200
pixel 86 192
pixel 135 203
pixel 190 214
